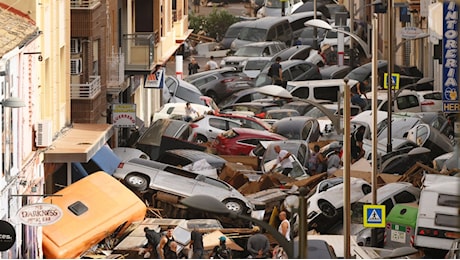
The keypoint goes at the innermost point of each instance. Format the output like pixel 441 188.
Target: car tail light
pixel 427 103
pixel 121 164
pixel 193 125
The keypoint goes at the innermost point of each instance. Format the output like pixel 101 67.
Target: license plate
pixel 398 236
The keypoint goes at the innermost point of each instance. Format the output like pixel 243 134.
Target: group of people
pixel 193 66
pixel 164 246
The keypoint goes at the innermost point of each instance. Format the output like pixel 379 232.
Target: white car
pixel 172 182
pixel 207 128
pixel 177 111
pixel 325 206
pixel 431 100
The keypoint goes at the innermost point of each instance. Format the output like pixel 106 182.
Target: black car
pixel 298 128
pixel 293 70
pixel 334 71
pixel 221 83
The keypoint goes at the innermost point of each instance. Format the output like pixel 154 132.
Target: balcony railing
pixel 84 4
pixel 86 91
pixel 116 70
pixel 138 51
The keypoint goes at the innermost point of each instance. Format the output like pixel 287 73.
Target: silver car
pixel 141 175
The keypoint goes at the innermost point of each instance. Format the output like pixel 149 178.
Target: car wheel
pixel 327 208
pixel 136 181
pixel 234 205
pixel 201 139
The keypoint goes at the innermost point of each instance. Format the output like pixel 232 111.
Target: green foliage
pixel 215 24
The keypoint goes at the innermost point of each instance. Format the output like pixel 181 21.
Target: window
pixel 218 123
pixel 404 197
pixel 326 93
pixel 447 220
pixel 296 71
pixel 449 200
pixel 302 92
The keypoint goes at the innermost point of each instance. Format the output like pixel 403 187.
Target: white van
pixel 318 90
pixel 438 221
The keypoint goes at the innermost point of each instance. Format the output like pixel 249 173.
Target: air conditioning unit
pixel 75 66
pixel 75 46
pixel 44 133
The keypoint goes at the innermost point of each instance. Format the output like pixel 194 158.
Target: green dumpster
pixel 400 226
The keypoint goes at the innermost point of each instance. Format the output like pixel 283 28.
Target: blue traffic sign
pixel 374 215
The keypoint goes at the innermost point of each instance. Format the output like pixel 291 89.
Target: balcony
pixel 138 51
pixel 84 4
pixel 86 91
pixel 115 72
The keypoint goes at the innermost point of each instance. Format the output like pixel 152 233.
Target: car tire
pixel 234 205
pixel 327 209
pixel 201 139
pixel 136 181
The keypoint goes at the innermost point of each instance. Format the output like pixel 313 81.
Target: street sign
pixel 411 32
pixel 394 80
pixel 450 97
pixel 374 216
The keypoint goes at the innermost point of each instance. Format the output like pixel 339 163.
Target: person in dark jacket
pixel 258 245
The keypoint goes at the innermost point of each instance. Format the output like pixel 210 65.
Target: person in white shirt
pixel 189 112
pixel 211 64
pixel 284 227
pixel 283 159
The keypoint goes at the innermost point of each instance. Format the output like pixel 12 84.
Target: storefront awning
pixel 79 144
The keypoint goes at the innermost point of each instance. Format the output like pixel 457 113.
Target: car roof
pixel 266 22
pixel 387 191
pixel 250 131
pixel 321 82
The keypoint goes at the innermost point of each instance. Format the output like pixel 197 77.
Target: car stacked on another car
pixel 256 49
pixel 240 141
pixel 163 180
pixel 293 70
pixel 220 83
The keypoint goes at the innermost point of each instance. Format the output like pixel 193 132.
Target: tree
pixel 215 24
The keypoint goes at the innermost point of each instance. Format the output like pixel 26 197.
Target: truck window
pixel 447 220
pixel 449 200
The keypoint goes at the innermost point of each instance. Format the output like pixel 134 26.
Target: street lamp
pixel 211 204
pixel 324 25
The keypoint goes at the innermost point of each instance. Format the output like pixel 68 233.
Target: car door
pixel 218 125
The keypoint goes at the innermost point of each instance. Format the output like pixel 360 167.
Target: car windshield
pixel 232 32
pixel 252 34
pixel 255 64
pixel 315 113
pixel 189 95
pixel 250 51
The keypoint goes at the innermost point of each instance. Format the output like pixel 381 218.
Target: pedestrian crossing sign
pixel 394 80
pixel 374 216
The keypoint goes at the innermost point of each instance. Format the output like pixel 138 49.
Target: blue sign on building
pixel 450 58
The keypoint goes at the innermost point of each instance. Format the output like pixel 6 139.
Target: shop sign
pixel 39 214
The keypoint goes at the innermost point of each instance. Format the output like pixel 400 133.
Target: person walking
pixel 211 64
pixel 282 159
pixel 193 66
pixel 276 72
pixel 284 227
pixel 164 246
pixel 196 243
pixel 221 251
pixel 258 245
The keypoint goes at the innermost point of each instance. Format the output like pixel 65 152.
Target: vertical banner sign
pixel 450 58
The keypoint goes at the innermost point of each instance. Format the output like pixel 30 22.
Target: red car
pixel 247 121
pixel 240 141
